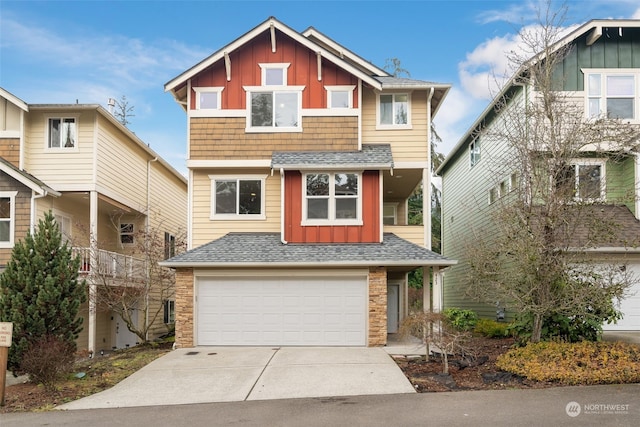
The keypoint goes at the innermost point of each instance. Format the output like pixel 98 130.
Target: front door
pixel 393 308
pixel 124 337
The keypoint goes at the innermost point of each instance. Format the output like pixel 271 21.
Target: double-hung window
pixel 332 198
pixel 612 93
pixel 238 197
pixel 394 111
pixel 274 106
pixel 7 218
pixel 62 133
pixel 169 245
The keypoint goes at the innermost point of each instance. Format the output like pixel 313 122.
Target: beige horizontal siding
pixel 206 230
pixel 412 233
pixel 407 145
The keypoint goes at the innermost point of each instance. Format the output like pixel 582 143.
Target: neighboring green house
pixel 601 73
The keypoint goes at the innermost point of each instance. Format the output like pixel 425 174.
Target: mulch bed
pixel 473 371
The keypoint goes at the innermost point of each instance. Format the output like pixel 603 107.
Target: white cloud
pixel 513 13
pixel 636 14
pixel 454 117
pixel 106 61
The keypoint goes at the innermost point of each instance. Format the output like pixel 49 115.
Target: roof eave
pixel 263 264
pixel 219 54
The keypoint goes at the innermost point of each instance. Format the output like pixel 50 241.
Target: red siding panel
pixel 245 71
pixel 368 232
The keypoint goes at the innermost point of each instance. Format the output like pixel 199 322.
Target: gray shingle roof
pixel 266 250
pixel 377 156
pixel 389 82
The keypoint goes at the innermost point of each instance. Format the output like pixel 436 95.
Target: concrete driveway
pixel 229 374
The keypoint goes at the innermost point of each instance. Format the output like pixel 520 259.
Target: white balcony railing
pixel 111 264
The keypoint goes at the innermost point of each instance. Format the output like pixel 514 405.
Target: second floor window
pixel 62 133
pixel 208 98
pixel 169 245
pixel 126 233
pixel 275 109
pixel 612 94
pixel 474 152
pixel 393 110
pixel 237 197
pixel 332 197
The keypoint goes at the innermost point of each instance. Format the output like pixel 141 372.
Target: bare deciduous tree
pixel 547 214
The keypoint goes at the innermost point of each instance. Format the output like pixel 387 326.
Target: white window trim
pixel 212 89
pixel 380 126
pixel 47 117
pixel 343 88
pixel 132 234
pixel 603 178
pixel 11 195
pixel 604 72
pixel 395 212
pixel 330 221
pixel 65 216
pixel 238 217
pixel 475 142
pixel 272 129
pixel 284 66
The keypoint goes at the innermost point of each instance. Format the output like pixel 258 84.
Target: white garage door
pixel 281 311
pixel 630 307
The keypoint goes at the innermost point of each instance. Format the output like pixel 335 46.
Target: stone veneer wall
pixel 377 306
pixel 184 307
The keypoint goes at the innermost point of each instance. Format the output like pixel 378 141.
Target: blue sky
pixel 63 51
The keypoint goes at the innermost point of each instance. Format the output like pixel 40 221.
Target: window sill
pixel 272 130
pixel 331 222
pixel 234 217
pixel 394 127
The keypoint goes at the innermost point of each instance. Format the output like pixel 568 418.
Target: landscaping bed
pixel 89 376
pixel 476 371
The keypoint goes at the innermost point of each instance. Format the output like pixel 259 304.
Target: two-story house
pixel 301 158
pixel 104 186
pixel 599 75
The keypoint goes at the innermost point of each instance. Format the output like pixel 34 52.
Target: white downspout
pixel 32 216
pixel 93 232
pixel 282 224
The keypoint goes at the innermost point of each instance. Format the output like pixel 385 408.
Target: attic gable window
pixel 208 98
pixel 274 74
pixel 62 133
pixel 339 96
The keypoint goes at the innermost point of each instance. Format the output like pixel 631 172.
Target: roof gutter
pixel 262 264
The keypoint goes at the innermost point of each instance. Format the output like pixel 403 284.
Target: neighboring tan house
pixel 601 74
pixel 301 158
pixel 103 185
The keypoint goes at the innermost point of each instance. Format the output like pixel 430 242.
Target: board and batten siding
pixel 609 51
pixel 407 145
pixel 59 166
pixel 208 229
pixel 245 71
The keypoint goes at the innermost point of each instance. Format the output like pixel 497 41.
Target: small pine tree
pixel 40 292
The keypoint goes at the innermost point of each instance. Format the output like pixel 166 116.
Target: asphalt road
pixel 616 405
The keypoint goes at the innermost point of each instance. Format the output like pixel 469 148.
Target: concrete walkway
pixel 228 374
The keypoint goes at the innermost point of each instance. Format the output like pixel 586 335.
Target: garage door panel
pixel 629 306
pixel 281 311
